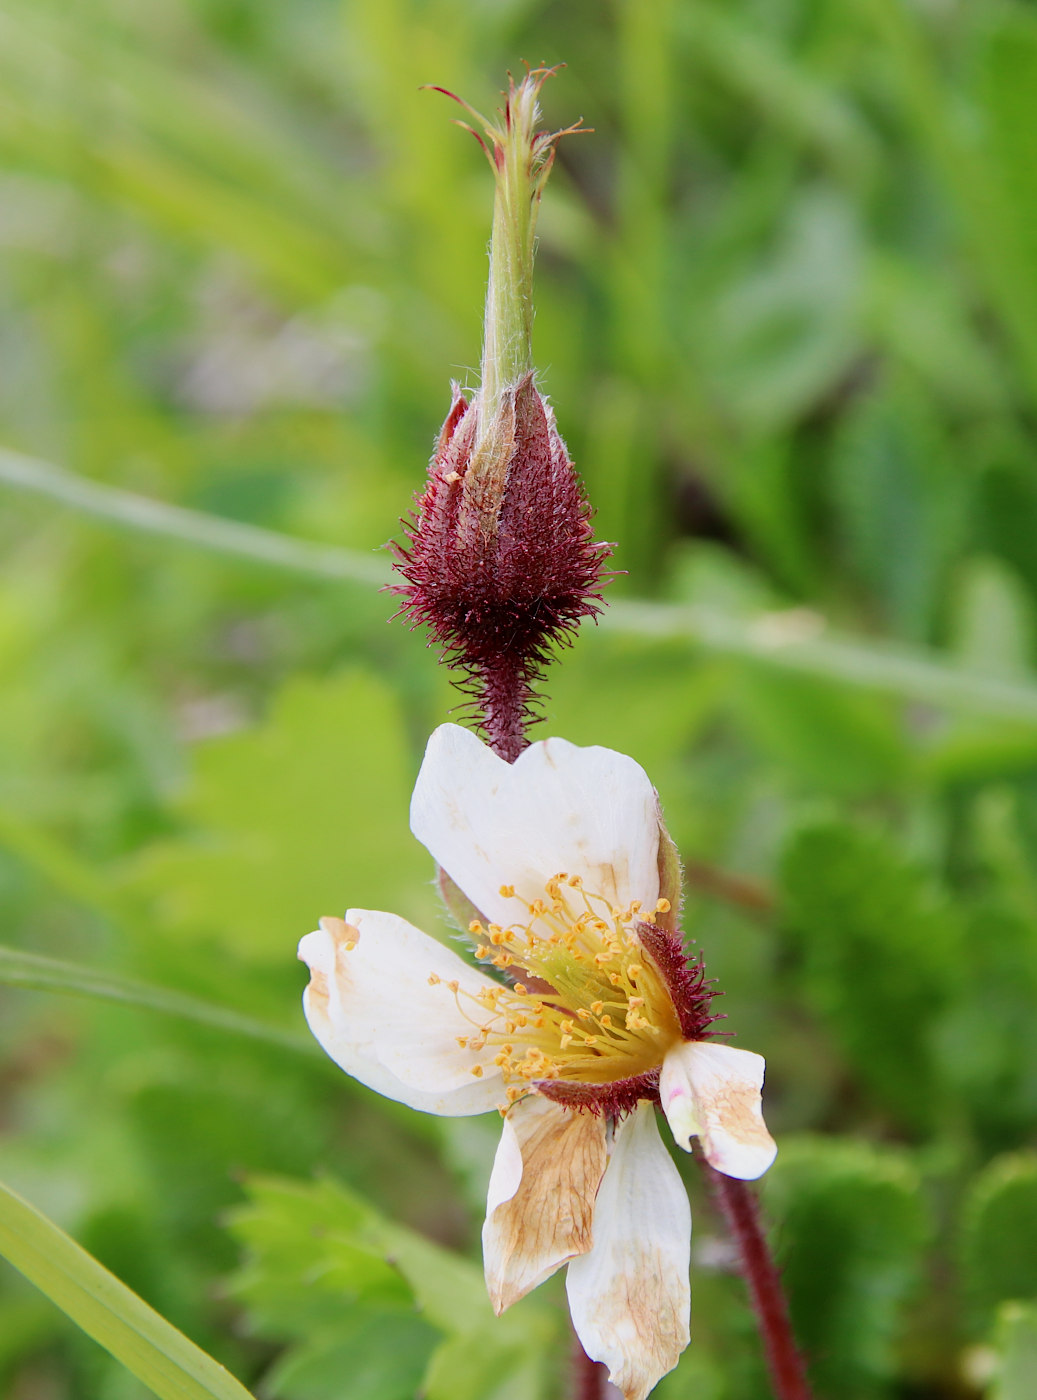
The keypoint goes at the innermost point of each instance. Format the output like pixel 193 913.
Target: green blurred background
pixel 787 315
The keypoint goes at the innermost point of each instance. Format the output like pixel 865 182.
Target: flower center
pixel 588 1004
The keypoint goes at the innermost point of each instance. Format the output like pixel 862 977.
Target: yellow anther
pixel 583 1014
pixel 477 1071
pixel 662 906
pixel 475 926
pixel 566 1025
pixel 597 1007
pixel 482 951
pixel 513 1093
pixel 434 980
pixel 575 882
pixel 635 905
pixel 462 1040
pixel 634 971
pixel 635 1002
pixel 615 978
pixel 591 1039
pixel 348 944
pixel 454 985
pixel 606 1021
pixel 519 990
pixel 507 891
pixel 497 936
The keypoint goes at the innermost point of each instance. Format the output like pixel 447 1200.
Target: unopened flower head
pixel 500 560
pixel 585 1016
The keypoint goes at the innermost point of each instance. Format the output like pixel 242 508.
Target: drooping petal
pixel 629 1296
pixel 713 1091
pixel 540 1202
pixel 371 1006
pixel 586 811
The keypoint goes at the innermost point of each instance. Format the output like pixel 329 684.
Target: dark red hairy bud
pixel 500 561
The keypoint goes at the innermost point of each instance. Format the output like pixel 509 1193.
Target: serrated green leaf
pixel 146 1344
pixel 999 1235
pixel 851 1226
pixel 315 1248
pixel 879 948
pixel 301 817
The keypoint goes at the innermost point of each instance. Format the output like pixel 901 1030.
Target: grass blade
pixel 146 1344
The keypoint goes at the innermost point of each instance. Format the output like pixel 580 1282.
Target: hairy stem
pixel 590 1378
pixel 784 1361
pixel 503 698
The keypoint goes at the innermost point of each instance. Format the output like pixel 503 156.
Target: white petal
pixel 629 1297
pixel 714 1090
pixel 370 1005
pixel 540 1201
pixel 586 811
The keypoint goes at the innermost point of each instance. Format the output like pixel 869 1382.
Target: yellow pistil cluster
pixel 585 1005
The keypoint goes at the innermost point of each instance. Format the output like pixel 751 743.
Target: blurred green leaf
pixel 851 1225
pixel 784 334
pixel 900 497
pixel 999 1235
pixel 990 1061
pixel 1016 1342
pixel 163 1358
pixel 368 1354
pixel 879 950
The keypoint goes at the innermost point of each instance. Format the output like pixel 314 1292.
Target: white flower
pixel 593 1016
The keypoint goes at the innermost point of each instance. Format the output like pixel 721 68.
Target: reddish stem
pixel 503 696
pixel 590 1378
pixel 733 889
pixel 741 1211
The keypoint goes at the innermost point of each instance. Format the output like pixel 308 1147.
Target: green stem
pixel 30 970
pixel 776 641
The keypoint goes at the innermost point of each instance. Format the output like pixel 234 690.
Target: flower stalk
pixel 784 1361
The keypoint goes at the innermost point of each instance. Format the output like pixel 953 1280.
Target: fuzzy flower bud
pixel 500 561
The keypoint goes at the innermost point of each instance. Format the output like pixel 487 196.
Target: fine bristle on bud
pixel 502 568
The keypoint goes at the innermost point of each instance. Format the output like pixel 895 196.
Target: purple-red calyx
pixel 501 564
pixel 499 560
